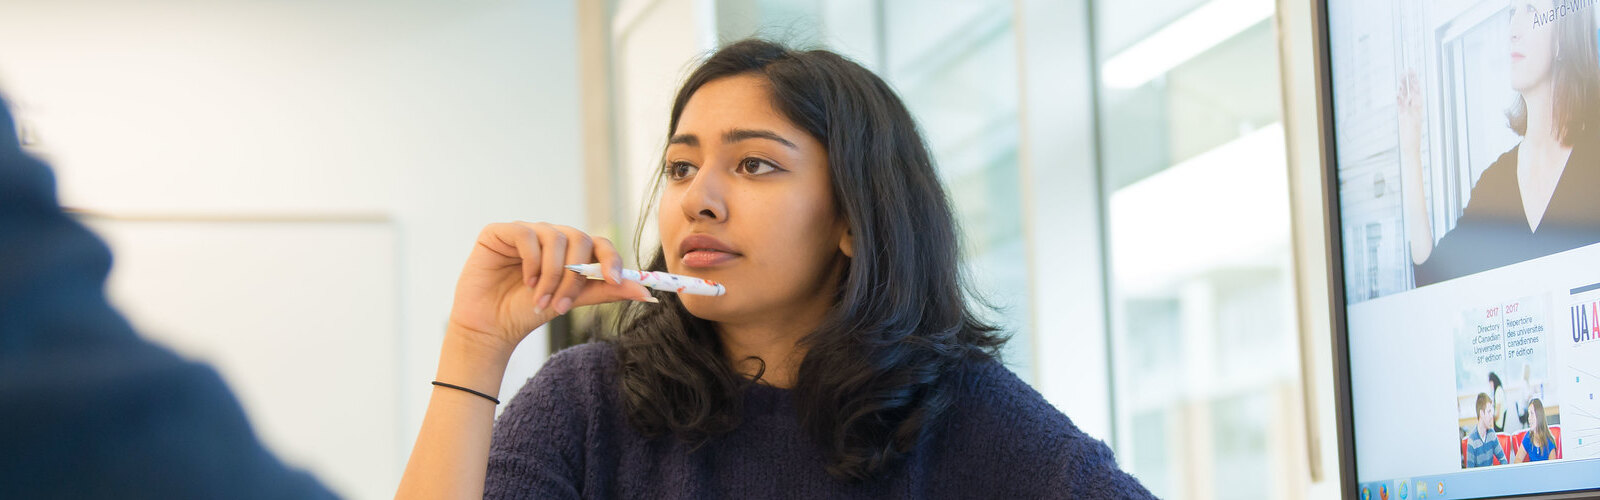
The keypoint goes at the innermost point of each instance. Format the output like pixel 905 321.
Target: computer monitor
pixel 1462 177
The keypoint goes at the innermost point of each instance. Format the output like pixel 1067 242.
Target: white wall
pixel 292 187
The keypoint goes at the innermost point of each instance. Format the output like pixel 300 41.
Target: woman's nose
pixel 703 200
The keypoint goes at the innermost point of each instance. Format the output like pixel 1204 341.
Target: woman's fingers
pixel 527 241
pixel 600 293
pixel 489 298
pixel 554 243
pixel 611 262
pixel 545 249
pixel 1413 90
pixel 1408 92
pixel 580 249
pixel 492 238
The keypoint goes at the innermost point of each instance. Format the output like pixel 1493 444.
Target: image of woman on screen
pixel 1538 443
pixel 1538 198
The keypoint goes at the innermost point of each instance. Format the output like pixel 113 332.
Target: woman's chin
pixel 1522 83
pixel 707 308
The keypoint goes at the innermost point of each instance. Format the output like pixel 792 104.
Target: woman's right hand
pixel 514 281
pixel 1419 229
pixel 1408 100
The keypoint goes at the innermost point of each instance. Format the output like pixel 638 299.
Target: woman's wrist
pixel 473 360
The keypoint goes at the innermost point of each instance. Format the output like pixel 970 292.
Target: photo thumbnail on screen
pixel 1467 144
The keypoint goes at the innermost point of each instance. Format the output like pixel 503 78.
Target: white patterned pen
pixel 658 280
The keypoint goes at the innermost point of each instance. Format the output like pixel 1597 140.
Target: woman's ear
pixel 847 244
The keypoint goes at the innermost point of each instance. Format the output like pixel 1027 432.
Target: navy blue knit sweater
pixel 565 435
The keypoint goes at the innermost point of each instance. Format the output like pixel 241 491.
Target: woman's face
pixel 1532 44
pixel 748 202
pixel 1534 417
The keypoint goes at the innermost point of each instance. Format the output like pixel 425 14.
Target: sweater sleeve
pixel 538 447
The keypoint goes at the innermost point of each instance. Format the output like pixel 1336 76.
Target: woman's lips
pixel 706 258
pixel 1516 56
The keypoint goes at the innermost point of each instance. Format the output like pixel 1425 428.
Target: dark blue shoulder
pixel 990 393
pixel 1002 434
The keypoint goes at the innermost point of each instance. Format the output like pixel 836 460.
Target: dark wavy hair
pixel 876 375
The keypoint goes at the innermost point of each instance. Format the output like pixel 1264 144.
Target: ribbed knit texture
pixel 565 436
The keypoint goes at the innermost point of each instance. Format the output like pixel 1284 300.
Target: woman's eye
pixel 755 166
pixel 679 170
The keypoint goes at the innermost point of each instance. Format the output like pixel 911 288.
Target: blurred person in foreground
pixel 88 409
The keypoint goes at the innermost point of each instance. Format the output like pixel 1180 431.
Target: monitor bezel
pixel 1334 251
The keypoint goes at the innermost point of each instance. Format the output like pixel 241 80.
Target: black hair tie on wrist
pixel 460 388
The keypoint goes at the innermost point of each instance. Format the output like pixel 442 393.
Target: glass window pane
pixel 1194 178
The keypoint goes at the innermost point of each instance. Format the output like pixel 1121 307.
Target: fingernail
pixel 564 305
pixel 616 276
pixel 543 302
pixel 651 300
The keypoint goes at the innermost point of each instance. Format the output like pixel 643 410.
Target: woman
pixel 1536 199
pixel 1538 443
pixel 843 360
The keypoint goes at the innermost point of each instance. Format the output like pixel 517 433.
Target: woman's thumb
pixel 600 292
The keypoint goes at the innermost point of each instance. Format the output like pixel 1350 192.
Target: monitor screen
pixel 1466 156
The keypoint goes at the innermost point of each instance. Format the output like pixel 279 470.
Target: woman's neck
pixel 778 347
pixel 1541 158
pixel 775 337
pixel 1540 133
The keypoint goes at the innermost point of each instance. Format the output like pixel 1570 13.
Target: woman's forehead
pixel 734 102
pixel 728 109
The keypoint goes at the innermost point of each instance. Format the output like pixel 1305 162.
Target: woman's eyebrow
pixel 685 139
pixel 732 136
pixel 740 134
